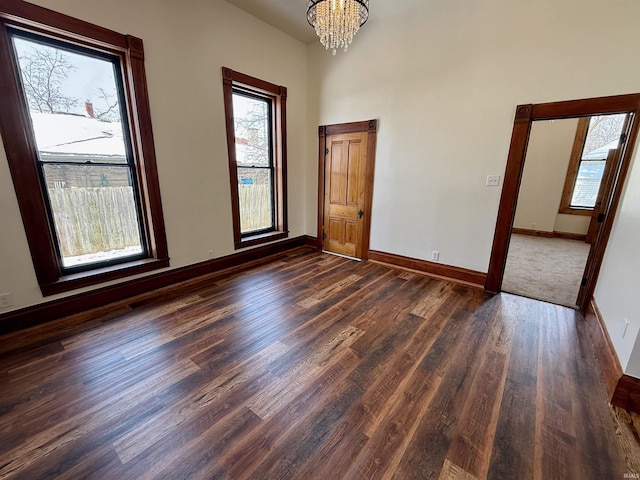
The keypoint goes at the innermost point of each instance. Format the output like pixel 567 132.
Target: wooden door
pixel 344 196
pixel 604 192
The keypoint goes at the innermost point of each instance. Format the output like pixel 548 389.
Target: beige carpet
pixel 548 269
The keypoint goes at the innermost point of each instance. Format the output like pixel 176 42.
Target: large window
pixel 256 138
pixel 84 168
pixel 595 138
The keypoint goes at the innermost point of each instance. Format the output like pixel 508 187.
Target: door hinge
pixel 600 217
pixel 324 235
pixel 623 138
pixel 326 151
pixel 584 282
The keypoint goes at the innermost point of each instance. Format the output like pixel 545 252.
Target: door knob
pixel 360 213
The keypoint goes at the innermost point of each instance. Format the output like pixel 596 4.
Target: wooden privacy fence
pixel 101 219
pixel 255 206
pixel 94 219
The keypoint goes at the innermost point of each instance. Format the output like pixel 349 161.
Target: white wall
pixel 186 44
pixel 618 290
pixel 444 78
pixel 572 223
pixel 545 170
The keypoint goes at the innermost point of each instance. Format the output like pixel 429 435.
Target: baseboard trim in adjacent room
pixel 603 347
pixel 446 272
pixel 554 234
pixel 570 236
pixel 45 312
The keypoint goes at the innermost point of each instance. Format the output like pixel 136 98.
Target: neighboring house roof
pixel 601 153
pixel 64 135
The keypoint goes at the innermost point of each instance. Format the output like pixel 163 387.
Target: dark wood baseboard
pixel 554 234
pixel 570 236
pixel 604 350
pixel 312 241
pixel 627 394
pixel 533 233
pixel 53 310
pixel 439 270
pixel 623 390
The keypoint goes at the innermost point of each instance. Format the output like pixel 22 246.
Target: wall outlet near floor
pixel 626 327
pixel 5 300
pixel 435 255
pixel 210 253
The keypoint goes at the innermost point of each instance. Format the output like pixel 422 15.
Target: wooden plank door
pixel 344 198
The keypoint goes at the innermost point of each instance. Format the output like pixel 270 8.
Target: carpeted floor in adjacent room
pixel 548 269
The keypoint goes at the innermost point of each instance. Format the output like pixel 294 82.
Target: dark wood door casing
pixel 525 115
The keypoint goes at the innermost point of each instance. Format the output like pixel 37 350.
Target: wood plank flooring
pixel 310 366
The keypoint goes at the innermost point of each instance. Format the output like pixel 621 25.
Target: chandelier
pixel 337 21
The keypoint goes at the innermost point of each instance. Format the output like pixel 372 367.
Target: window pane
pixel 255 195
pixel 603 135
pixel 585 191
pixel 94 213
pixel 73 103
pixel 252 133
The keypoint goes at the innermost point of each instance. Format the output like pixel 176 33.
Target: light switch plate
pixel 493 180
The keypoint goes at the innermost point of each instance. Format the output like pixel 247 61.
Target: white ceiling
pixel 290 16
pixel 286 15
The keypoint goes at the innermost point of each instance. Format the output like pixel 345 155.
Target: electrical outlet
pixel 210 253
pixel 435 255
pixel 493 180
pixel 5 300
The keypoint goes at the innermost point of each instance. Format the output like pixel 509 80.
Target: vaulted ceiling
pixel 290 16
pixel 286 15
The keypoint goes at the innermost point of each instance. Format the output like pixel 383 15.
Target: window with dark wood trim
pixel 255 113
pixel 595 137
pixel 84 174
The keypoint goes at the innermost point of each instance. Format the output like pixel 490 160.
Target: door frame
pixel 371 128
pixel 525 115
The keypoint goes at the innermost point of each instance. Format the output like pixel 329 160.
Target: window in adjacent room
pixel 84 169
pixel 595 137
pixel 256 138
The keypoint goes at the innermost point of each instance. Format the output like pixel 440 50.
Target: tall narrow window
pixel 256 138
pixel 84 156
pixel 595 137
pixel 85 172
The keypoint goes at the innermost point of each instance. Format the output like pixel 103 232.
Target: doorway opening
pixel 591 187
pixel 346 158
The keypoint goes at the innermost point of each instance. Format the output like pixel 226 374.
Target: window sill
pixel 576 211
pixel 262 238
pixel 85 279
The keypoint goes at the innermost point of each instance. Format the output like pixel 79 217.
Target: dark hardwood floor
pixel 309 367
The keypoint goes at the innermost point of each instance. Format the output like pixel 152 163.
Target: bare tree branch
pixel 43 70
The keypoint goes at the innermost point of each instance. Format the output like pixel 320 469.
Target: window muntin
pixel 85 158
pixel 253 121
